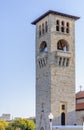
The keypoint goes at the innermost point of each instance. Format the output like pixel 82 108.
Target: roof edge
pixel 80 109
pixel 54 12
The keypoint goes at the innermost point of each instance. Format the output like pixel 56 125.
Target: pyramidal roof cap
pixel 56 13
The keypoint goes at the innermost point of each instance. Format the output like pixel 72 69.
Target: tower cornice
pixel 55 13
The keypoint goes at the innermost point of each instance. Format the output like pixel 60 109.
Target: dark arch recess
pixel 63 45
pixel 43 47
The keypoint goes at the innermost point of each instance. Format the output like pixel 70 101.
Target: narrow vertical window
pixel 39 63
pixel 67 28
pixel 60 61
pixel 43 28
pixel 46 26
pixel 67 62
pixel 57 25
pixel 40 30
pixel 64 62
pixel 62 26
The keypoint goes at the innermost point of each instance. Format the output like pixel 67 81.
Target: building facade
pixel 5 117
pixel 55 69
pixel 80 107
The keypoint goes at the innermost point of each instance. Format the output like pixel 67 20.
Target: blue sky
pixel 17 51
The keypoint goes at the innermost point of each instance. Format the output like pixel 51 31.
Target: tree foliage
pixel 17 124
pixel 3 125
pixel 22 124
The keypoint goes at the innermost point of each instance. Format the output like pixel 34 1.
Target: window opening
pixel 62 118
pixel 57 22
pixel 62 26
pixel 60 60
pixel 43 28
pixel 43 47
pixel 67 24
pixel 65 48
pixel 57 25
pixel 44 62
pixel 40 30
pixel 62 23
pixel 63 107
pixel 67 27
pixel 64 62
pixel 46 26
pixel 62 45
pixel 67 62
pixel 39 64
pixel 67 30
pixel 62 29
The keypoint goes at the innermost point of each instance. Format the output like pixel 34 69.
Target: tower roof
pixel 55 13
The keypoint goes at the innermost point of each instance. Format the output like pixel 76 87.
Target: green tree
pixel 22 124
pixel 3 125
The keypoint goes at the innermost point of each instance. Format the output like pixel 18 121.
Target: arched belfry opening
pixel 43 47
pixel 63 45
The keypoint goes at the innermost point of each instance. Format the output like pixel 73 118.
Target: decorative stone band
pixel 63 54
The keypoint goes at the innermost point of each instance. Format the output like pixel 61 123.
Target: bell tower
pixel 55 69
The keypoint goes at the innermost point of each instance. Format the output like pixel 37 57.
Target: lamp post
pixel 50 118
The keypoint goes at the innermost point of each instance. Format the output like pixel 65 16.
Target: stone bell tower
pixel 55 69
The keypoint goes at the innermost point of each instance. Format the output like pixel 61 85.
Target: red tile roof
pixel 80 95
pixel 79 106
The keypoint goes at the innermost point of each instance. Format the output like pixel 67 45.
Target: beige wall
pixel 55 84
pixel 79 117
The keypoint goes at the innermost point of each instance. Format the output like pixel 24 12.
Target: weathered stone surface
pixel 54 83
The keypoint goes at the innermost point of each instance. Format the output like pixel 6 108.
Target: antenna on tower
pixel 80 87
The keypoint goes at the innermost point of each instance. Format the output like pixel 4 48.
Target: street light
pixel 83 122
pixel 50 118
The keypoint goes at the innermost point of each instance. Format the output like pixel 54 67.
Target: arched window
pixel 43 47
pixel 62 45
pixel 62 118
